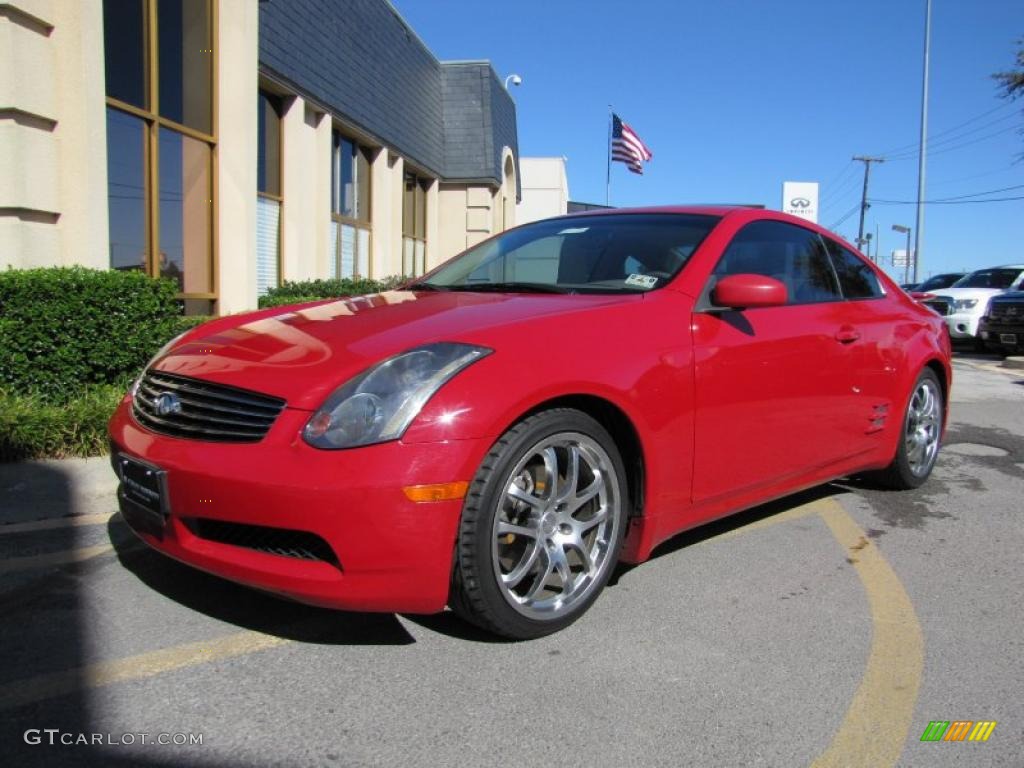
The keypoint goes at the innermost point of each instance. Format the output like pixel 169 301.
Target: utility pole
pixel 864 195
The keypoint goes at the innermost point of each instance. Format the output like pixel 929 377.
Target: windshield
pixel 607 253
pixel 988 278
pixel 938 281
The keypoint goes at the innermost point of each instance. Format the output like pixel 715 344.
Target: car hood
pixel 968 293
pixel 1011 296
pixel 302 353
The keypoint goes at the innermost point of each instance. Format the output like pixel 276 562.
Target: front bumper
pixel 962 325
pixel 390 554
pixel 996 333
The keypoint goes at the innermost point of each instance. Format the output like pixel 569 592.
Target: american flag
pixel 627 147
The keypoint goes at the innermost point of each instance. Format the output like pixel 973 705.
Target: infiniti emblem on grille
pixel 166 404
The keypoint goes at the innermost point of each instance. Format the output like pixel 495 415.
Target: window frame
pixel 421 185
pixel 154 123
pixel 704 303
pixel 830 241
pixel 341 219
pixel 277 197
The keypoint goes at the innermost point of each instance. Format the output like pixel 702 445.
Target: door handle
pixel 847 335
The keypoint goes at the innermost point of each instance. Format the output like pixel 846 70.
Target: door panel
pixel 772 395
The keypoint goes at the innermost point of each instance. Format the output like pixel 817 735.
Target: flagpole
pixel 608 149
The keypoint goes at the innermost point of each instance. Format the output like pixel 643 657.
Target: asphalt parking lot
pixel 829 629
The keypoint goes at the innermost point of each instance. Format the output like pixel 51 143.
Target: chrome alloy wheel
pixel 557 519
pixel 923 427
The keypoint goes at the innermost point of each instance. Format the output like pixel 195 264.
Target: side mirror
pixel 748 292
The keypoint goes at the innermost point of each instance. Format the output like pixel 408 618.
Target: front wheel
pixel 919 440
pixel 541 526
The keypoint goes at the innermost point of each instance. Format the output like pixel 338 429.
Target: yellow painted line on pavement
pixel 22 692
pixel 875 728
pixel 51 559
pixel 100 518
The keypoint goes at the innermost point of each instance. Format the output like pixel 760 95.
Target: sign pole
pixel 608 150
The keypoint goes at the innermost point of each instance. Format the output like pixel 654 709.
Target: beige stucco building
pixel 233 144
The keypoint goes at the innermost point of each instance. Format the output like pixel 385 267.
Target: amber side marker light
pixel 436 492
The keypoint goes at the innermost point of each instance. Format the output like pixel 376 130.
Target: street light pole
pixel 923 149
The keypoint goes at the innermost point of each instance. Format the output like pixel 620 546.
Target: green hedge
pixel 32 427
pixel 63 330
pixel 72 339
pixel 313 290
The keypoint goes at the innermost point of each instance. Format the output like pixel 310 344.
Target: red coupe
pixel 500 433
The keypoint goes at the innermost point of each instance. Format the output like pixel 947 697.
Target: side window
pixel 856 278
pixel 792 255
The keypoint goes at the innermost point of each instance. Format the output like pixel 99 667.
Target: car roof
pixel 706 209
pixel 744 212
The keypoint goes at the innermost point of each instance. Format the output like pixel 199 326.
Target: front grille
pixel 1006 313
pixel 285 542
pixel 201 410
pixel 941 304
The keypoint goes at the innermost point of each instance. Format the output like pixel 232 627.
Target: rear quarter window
pixel 856 279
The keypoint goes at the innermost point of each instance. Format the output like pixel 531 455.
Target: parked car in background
pixel 1002 327
pixel 499 434
pixel 966 301
pixel 935 282
pixel 909 287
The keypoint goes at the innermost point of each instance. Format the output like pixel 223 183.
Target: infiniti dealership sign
pixel 800 198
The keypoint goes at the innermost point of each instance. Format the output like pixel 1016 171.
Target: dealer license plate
pixel 143 495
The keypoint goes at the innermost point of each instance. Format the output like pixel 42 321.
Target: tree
pixel 1011 82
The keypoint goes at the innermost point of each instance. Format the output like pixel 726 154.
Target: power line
pixel 845 216
pixel 957 180
pixel 946 202
pixel 834 195
pixel 965 134
pixel 979 194
pixel 914 145
pixel 911 155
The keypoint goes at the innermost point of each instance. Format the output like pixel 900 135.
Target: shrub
pixel 32 427
pixel 280 301
pixel 312 290
pixel 66 329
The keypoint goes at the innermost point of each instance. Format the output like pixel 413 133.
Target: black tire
pixel 902 474
pixel 480 592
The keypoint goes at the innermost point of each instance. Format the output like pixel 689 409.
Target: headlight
pixel 965 304
pixel 380 403
pixel 163 350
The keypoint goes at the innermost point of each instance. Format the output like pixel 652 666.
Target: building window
pixel 160 141
pixel 268 192
pixel 414 225
pixel 350 207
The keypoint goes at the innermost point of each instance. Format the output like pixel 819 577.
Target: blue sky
pixel 736 96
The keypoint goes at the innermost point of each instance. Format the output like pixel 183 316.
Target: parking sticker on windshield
pixel 641 281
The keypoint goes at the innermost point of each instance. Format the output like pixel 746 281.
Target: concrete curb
pixel 53 488
pixel 1015 363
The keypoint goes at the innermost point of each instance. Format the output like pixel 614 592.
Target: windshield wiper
pixel 427 287
pixel 512 287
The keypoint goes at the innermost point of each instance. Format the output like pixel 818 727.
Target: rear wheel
pixel 541 527
pixel 919 441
